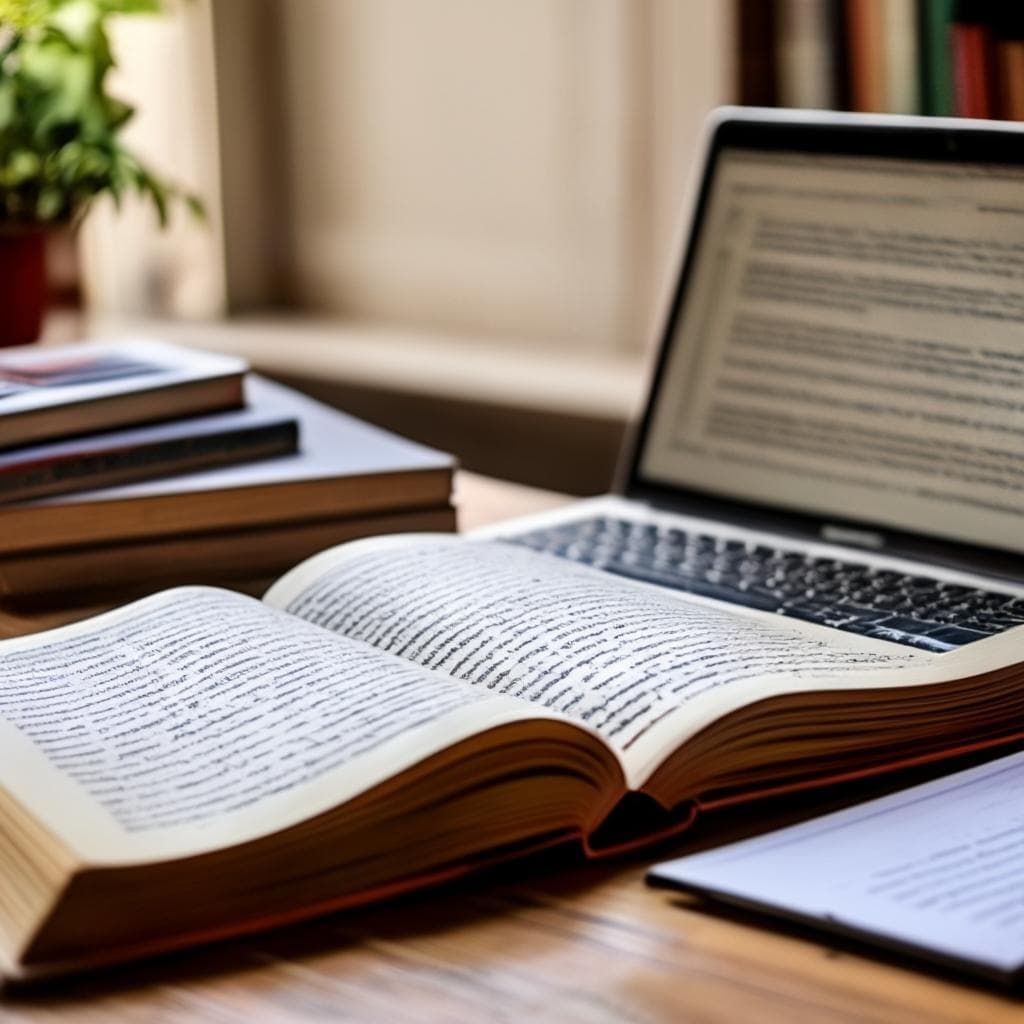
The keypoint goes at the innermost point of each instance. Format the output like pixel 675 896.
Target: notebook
pixel 834 430
pixel 934 871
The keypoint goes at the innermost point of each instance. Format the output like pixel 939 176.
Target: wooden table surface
pixel 549 939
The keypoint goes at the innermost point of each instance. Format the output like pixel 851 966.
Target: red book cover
pixel 973 53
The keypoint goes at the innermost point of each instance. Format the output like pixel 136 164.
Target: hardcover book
pixel 59 392
pixel 156 451
pixel 343 468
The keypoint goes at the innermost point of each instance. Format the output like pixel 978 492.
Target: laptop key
pixel 958 635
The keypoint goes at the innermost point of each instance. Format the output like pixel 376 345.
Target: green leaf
pixel 8 103
pixel 131 6
pixel 50 204
pixel 148 185
pixel 196 207
pixel 21 166
pixel 60 130
pixel 118 113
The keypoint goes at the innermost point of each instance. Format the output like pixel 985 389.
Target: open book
pixel 403 709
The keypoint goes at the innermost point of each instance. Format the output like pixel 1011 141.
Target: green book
pixel 935 18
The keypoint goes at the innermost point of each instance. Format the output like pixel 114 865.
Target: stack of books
pixel 942 57
pixel 144 463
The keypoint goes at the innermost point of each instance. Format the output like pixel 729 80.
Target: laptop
pixel 834 431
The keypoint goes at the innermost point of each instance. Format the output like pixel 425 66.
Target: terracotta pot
pixel 22 285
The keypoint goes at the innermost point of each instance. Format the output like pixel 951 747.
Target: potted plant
pixel 60 141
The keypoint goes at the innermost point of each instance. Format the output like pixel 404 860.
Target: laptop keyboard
pixel 918 611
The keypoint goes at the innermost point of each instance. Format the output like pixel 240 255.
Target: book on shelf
pixel 402 710
pixel 822 54
pixel 344 468
pixel 941 57
pixel 1009 57
pixel 936 17
pixel 901 46
pixel 973 49
pixel 157 450
pixel 805 63
pixel 756 53
pixel 864 31
pixel 59 392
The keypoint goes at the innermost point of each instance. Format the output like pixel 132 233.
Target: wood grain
pixel 549 939
pixel 559 941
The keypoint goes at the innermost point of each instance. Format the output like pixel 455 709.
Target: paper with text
pixel 180 710
pixel 939 867
pixel 618 657
pixel 850 344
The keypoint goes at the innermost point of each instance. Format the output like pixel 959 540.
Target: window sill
pixel 587 384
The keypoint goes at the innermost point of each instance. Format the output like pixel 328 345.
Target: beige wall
pixel 492 166
pixel 165 69
pixel 497 168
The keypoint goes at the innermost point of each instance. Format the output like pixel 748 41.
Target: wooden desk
pixel 551 939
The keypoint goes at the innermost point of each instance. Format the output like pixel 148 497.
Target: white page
pixel 642 668
pixel 197 718
pixel 939 867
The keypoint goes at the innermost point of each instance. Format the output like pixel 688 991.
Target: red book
pixel 973 53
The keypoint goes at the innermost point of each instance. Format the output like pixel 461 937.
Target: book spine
pixel 1011 78
pixel 934 25
pixel 900 57
pixel 973 61
pixel 840 43
pixel 805 54
pixel 113 466
pixel 757 58
pixel 1009 52
pixel 867 67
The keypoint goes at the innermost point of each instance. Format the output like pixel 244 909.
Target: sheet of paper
pixel 938 867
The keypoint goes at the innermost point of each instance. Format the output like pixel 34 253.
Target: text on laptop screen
pixel 851 344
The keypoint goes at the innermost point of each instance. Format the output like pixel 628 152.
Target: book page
pixel 199 718
pixel 643 668
pixel 938 867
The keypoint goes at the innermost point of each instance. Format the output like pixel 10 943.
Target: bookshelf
pixel 939 57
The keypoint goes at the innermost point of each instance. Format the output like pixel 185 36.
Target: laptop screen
pixel 851 344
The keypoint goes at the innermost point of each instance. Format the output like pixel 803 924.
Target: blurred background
pixel 448 217
pixel 455 217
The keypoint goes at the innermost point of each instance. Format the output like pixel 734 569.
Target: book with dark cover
pixel 935 20
pixel 343 467
pixel 142 453
pixel 757 57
